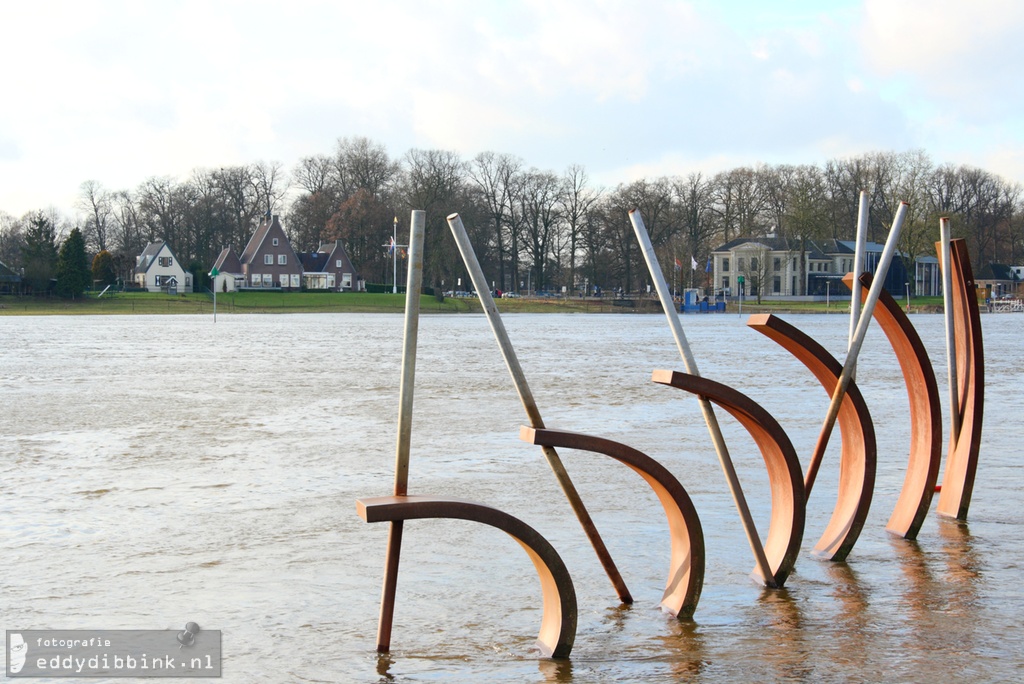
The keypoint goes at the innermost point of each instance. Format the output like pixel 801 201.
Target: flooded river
pixel 159 470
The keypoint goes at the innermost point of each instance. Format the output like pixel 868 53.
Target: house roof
pixel 256 240
pixel 313 262
pixel 777 244
pixel 7 275
pixel 148 256
pixel 992 271
pixel 227 262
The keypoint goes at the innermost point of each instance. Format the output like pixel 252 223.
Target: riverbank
pixel 123 303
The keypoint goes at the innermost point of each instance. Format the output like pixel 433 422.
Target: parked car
pixel 509 295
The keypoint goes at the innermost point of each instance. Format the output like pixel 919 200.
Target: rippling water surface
pixel 159 470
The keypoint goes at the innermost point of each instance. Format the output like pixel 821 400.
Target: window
pixel 282 259
pixel 275 242
pixel 337 264
pixel 725 282
pixel 778 265
pixel 753 263
pixel 268 259
pixel 267 281
pixel 164 261
pixel 158 280
pixel 255 279
pixel 725 264
pixel 739 264
pixel 346 280
pixel 295 279
pixel 777 285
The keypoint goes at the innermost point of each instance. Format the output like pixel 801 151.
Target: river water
pixel 159 470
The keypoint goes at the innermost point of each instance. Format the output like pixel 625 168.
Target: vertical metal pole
pixel 476 274
pixel 405 395
pixel 858 264
pixel 947 310
pixel 705 406
pixel 394 258
pixel 858 340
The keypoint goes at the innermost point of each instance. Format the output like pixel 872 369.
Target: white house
pixel 158 270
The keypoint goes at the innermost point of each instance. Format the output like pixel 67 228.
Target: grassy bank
pixel 348 302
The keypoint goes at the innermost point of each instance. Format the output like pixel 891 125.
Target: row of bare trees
pixel 532 228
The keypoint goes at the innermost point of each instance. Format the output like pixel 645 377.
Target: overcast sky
pixel 121 91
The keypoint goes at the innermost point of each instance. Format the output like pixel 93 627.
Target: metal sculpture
pixel 964 444
pixel 858 456
pixel 476 274
pixel 558 624
pixel 786 528
pixel 925 414
pixel 668 306
pixel 686 567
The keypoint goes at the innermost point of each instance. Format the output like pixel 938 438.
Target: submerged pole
pixel 849 367
pixel 705 406
pixel 476 274
pixel 947 311
pixel 405 394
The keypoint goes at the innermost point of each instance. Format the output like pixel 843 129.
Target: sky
pixel 118 92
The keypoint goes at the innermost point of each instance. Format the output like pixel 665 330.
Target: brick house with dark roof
pixel 230 275
pixel 268 260
pixel 329 268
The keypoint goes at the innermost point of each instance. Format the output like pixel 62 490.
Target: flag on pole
pixel 693 263
pixel 707 269
pixel 679 265
pixel 391 245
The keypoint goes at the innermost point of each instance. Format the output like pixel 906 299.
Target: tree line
pixel 531 228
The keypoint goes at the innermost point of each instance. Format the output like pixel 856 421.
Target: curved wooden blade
pixel 962 462
pixel 786 529
pixel 859 454
pixel 558 624
pixel 925 414
pixel 686 567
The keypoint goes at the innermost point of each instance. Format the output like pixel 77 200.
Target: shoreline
pixel 145 303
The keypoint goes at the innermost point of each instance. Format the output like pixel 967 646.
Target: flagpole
pixel 394 258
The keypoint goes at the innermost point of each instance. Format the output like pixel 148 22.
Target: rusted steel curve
pixel 962 461
pixel 686 567
pixel 858 457
pixel 925 414
pixel 786 527
pixel 558 624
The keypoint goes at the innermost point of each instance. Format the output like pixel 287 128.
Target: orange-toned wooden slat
pixel 858 456
pixel 786 527
pixel 925 414
pixel 962 461
pixel 558 624
pixel 686 566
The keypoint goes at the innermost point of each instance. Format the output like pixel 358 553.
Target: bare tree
pixel 97 204
pixel 577 200
pixel 538 201
pixel 498 179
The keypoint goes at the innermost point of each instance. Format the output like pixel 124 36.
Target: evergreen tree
pixel 39 253
pixel 103 272
pixel 73 272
